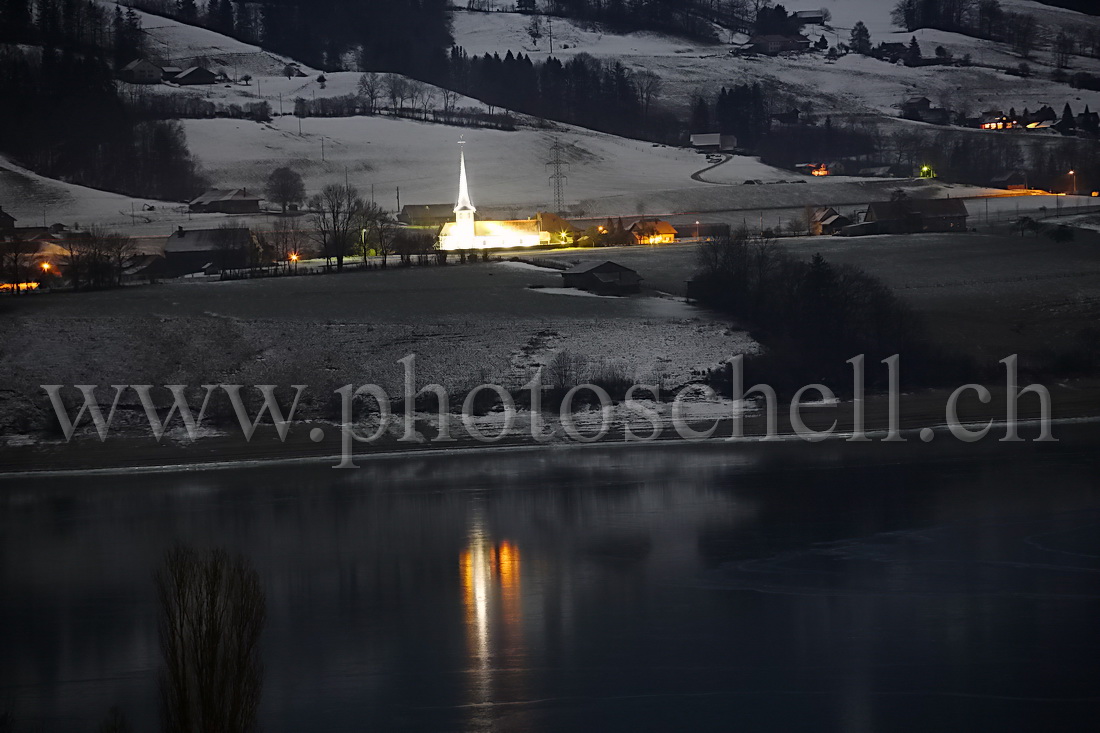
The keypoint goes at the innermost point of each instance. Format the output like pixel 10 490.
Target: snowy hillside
pixel 852 85
pixel 507 169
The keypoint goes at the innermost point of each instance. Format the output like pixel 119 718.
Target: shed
pixel 603 278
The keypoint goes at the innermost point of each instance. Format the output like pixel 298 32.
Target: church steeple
pixel 464 203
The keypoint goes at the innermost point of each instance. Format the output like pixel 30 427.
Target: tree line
pixel 63 116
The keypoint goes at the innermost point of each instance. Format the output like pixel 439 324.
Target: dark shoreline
pixel 139 452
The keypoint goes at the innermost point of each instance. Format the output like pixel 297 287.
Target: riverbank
pixel 131 450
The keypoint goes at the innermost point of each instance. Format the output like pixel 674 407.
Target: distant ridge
pixel 1089 7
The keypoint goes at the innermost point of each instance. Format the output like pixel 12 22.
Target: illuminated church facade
pixel 466 232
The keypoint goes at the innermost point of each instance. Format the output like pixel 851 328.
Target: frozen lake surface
pixel 829 587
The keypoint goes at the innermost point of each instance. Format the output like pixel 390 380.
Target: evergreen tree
pixel 913 54
pixel 860 39
pixel 187 10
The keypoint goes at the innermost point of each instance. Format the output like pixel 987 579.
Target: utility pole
pixel 550 25
pixel 322 148
pixel 558 179
pixel 399 198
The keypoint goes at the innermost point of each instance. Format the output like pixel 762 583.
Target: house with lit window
pixel 653 231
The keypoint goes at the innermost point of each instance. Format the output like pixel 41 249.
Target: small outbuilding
pixel 603 278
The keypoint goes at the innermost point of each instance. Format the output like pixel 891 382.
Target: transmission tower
pixel 558 179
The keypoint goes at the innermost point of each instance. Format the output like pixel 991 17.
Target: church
pixel 465 232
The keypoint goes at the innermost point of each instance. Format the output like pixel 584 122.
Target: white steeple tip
pixel 464 203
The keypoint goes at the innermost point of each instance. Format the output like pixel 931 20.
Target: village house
pixel 713 142
pixel 229 201
pixel 653 231
pixel 194 76
pixel 171 72
pixel 556 229
pixel 809 17
pixel 827 221
pixel 920 109
pixel 206 251
pixel 774 44
pixel 426 215
pixel 997 120
pixel 7 221
pixel 1014 181
pixel 141 71
pixel 602 278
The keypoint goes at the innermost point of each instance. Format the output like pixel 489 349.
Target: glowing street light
pixel 1074 174
pixel 45 267
pixel 294 258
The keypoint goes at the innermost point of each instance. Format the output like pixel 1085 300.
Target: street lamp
pixel 45 267
pixel 1074 174
pixel 696 229
pixel 294 259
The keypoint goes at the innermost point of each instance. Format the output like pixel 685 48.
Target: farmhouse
pixel 773 45
pixel 602 278
pixel 910 216
pixel 141 71
pixel 196 75
pixel 206 251
pixel 231 201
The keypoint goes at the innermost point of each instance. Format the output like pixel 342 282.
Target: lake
pixel 821 587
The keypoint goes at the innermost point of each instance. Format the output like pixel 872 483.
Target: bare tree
pixel 370 90
pixel 212 613
pixel 17 262
pixel 649 88
pixel 450 102
pixel 335 212
pixel 381 228
pixel 397 89
pixel 286 239
pixel 118 250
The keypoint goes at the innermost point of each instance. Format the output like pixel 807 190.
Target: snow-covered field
pixel 467 325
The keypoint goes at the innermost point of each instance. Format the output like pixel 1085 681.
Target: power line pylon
pixel 558 179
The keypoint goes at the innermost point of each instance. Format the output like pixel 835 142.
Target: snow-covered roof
pixel 206 240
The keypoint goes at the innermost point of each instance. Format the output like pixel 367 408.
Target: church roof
pixel 496 228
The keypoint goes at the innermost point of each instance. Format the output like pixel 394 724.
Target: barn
pixel 602 278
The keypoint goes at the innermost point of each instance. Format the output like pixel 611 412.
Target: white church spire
pixel 464 203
